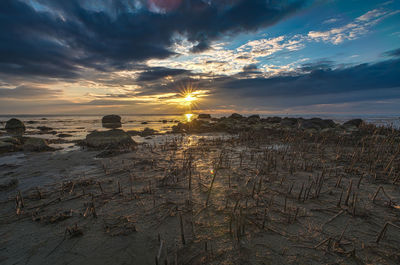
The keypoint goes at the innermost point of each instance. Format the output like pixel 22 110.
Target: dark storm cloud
pixel 56 38
pixel 321 81
pixel 28 92
pixel 156 73
pixel 392 53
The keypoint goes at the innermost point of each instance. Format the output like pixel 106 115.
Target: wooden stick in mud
pixel 344 230
pixel 159 252
pixel 301 191
pixel 354 205
pixel 346 201
pixel 264 218
pixel 101 188
pixel 284 208
pixel 182 232
pixel 383 190
pixel 211 186
pixel 383 231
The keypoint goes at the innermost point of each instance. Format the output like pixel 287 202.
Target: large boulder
pixel 109 139
pixel 15 127
pixel 111 121
pixel 34 144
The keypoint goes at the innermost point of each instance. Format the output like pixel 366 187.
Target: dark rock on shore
pixel 236 116
pixel 44 128
pixel 315 123
pixel 236 123
pixel 289 122
pixel 63 135
pixel 15 127
pixel 9 185
pixel 6 147
pixel 111 121
pixel 110 139
pixel 253 119
pixel 274 119
pixel 34 144
pixel 144 133
pixel 204 116
pixel 354 122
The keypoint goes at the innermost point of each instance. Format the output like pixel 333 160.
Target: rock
pixel 328 124
pixel 12 140
pixel 34 144
pixel 11 184
pixel 253 119
pixel 147 132
pixel 354 122
pixel 144 133
pixel 44 128
pixel 111 121
pixel 144 122
pixel 31 122
pixel 164 121
pixel 6 147
pixel 307 125
pixel 274 119
pixel 288 122
pixel 134 133
pixel 179 128
pixel 315 123
pixel 236 116
pixel 204 116
pixel 15 127
pixel 63 135
pixel 114 138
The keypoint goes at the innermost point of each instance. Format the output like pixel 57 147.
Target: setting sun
pixel 189 98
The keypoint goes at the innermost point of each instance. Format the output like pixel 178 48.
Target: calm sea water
pixel 80 125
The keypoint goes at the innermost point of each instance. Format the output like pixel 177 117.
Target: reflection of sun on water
pixel 189 117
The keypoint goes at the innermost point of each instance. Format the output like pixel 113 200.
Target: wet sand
pixel 277 197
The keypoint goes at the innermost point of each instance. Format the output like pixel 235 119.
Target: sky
pixel 212 56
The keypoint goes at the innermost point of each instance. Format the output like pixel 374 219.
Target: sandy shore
pixel 277 197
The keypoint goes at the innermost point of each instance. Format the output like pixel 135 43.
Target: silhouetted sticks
pixel 383 190
pixel 383 230
pixel 182 231
pixel 211 186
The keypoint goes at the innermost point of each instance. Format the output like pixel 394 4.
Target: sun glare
pixel 189 117
pixel 189 98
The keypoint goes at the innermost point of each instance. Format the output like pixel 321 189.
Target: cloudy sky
pixel 249 56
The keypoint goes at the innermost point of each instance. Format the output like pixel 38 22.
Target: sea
pixel 78 126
